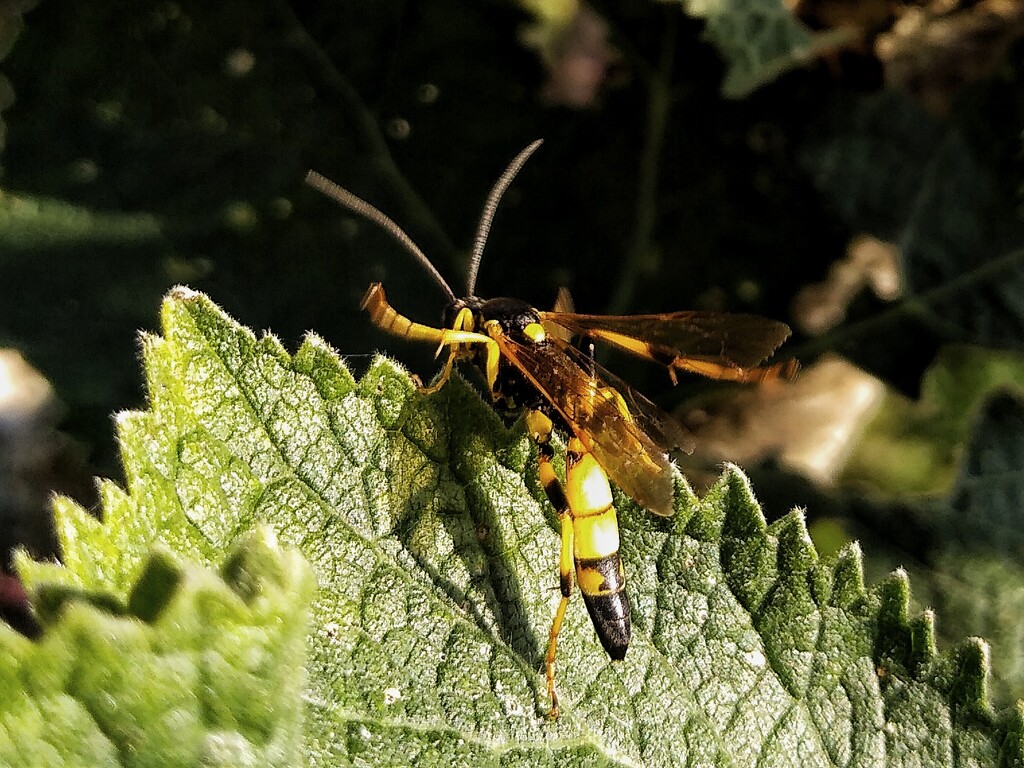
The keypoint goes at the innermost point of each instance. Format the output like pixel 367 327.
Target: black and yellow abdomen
pixel 599 572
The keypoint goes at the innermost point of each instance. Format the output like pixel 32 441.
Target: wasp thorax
pixel 513 315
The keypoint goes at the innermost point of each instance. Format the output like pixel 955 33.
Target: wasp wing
pixel 628 435
pixel 563 306
pixel 666 431
pixel 719 345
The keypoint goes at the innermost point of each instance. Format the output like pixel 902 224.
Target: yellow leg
pixel 540 427
pixel 565 583
pixel 446 373
pixel 589 556
pixel 549 662
pixel 460 335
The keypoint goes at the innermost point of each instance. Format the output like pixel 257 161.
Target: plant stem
pixel 928 306
pixel 370 143
pixel 658 108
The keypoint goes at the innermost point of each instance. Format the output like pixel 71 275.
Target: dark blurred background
pixel 852 168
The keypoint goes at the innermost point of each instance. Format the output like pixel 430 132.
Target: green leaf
pixel 759 39
pixel 913 447
pixel 435 554
pixel 180 673
pixel 973 576
pixel 980 593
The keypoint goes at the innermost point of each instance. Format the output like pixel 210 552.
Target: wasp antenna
pixel 345 198
pixel 490 207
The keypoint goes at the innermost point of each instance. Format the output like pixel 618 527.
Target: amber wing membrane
pixel 715 344
pixel 628 435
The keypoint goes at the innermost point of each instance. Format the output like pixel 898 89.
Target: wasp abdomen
pixel 602 584
pixel 599 572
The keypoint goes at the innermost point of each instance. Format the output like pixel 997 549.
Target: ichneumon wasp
pixel 529 364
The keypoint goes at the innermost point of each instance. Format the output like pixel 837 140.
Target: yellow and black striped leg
pixel 590 546
pixel 540 428
pixel 565 586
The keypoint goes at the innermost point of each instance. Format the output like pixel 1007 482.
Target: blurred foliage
pixel 929 434
pixel 152 143
pixel 203 120
pixel 179 672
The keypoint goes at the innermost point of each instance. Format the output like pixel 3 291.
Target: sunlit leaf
pixel 189 668
pixel 759 40
pixel 435 556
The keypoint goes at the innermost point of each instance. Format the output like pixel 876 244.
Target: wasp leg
pixel 786 369
pixel 461 335
pixel 589 553
pixel 549 660
pixel 445 374
pixel 540 428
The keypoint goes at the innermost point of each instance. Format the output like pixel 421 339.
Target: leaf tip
pixel 969 688
pixel 796 550
pixel 743 516
pixel 182 293
pixel 848 576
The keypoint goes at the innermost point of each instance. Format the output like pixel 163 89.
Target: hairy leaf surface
pixel 435 555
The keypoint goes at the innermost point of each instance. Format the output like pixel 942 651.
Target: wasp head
pixel 513 315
